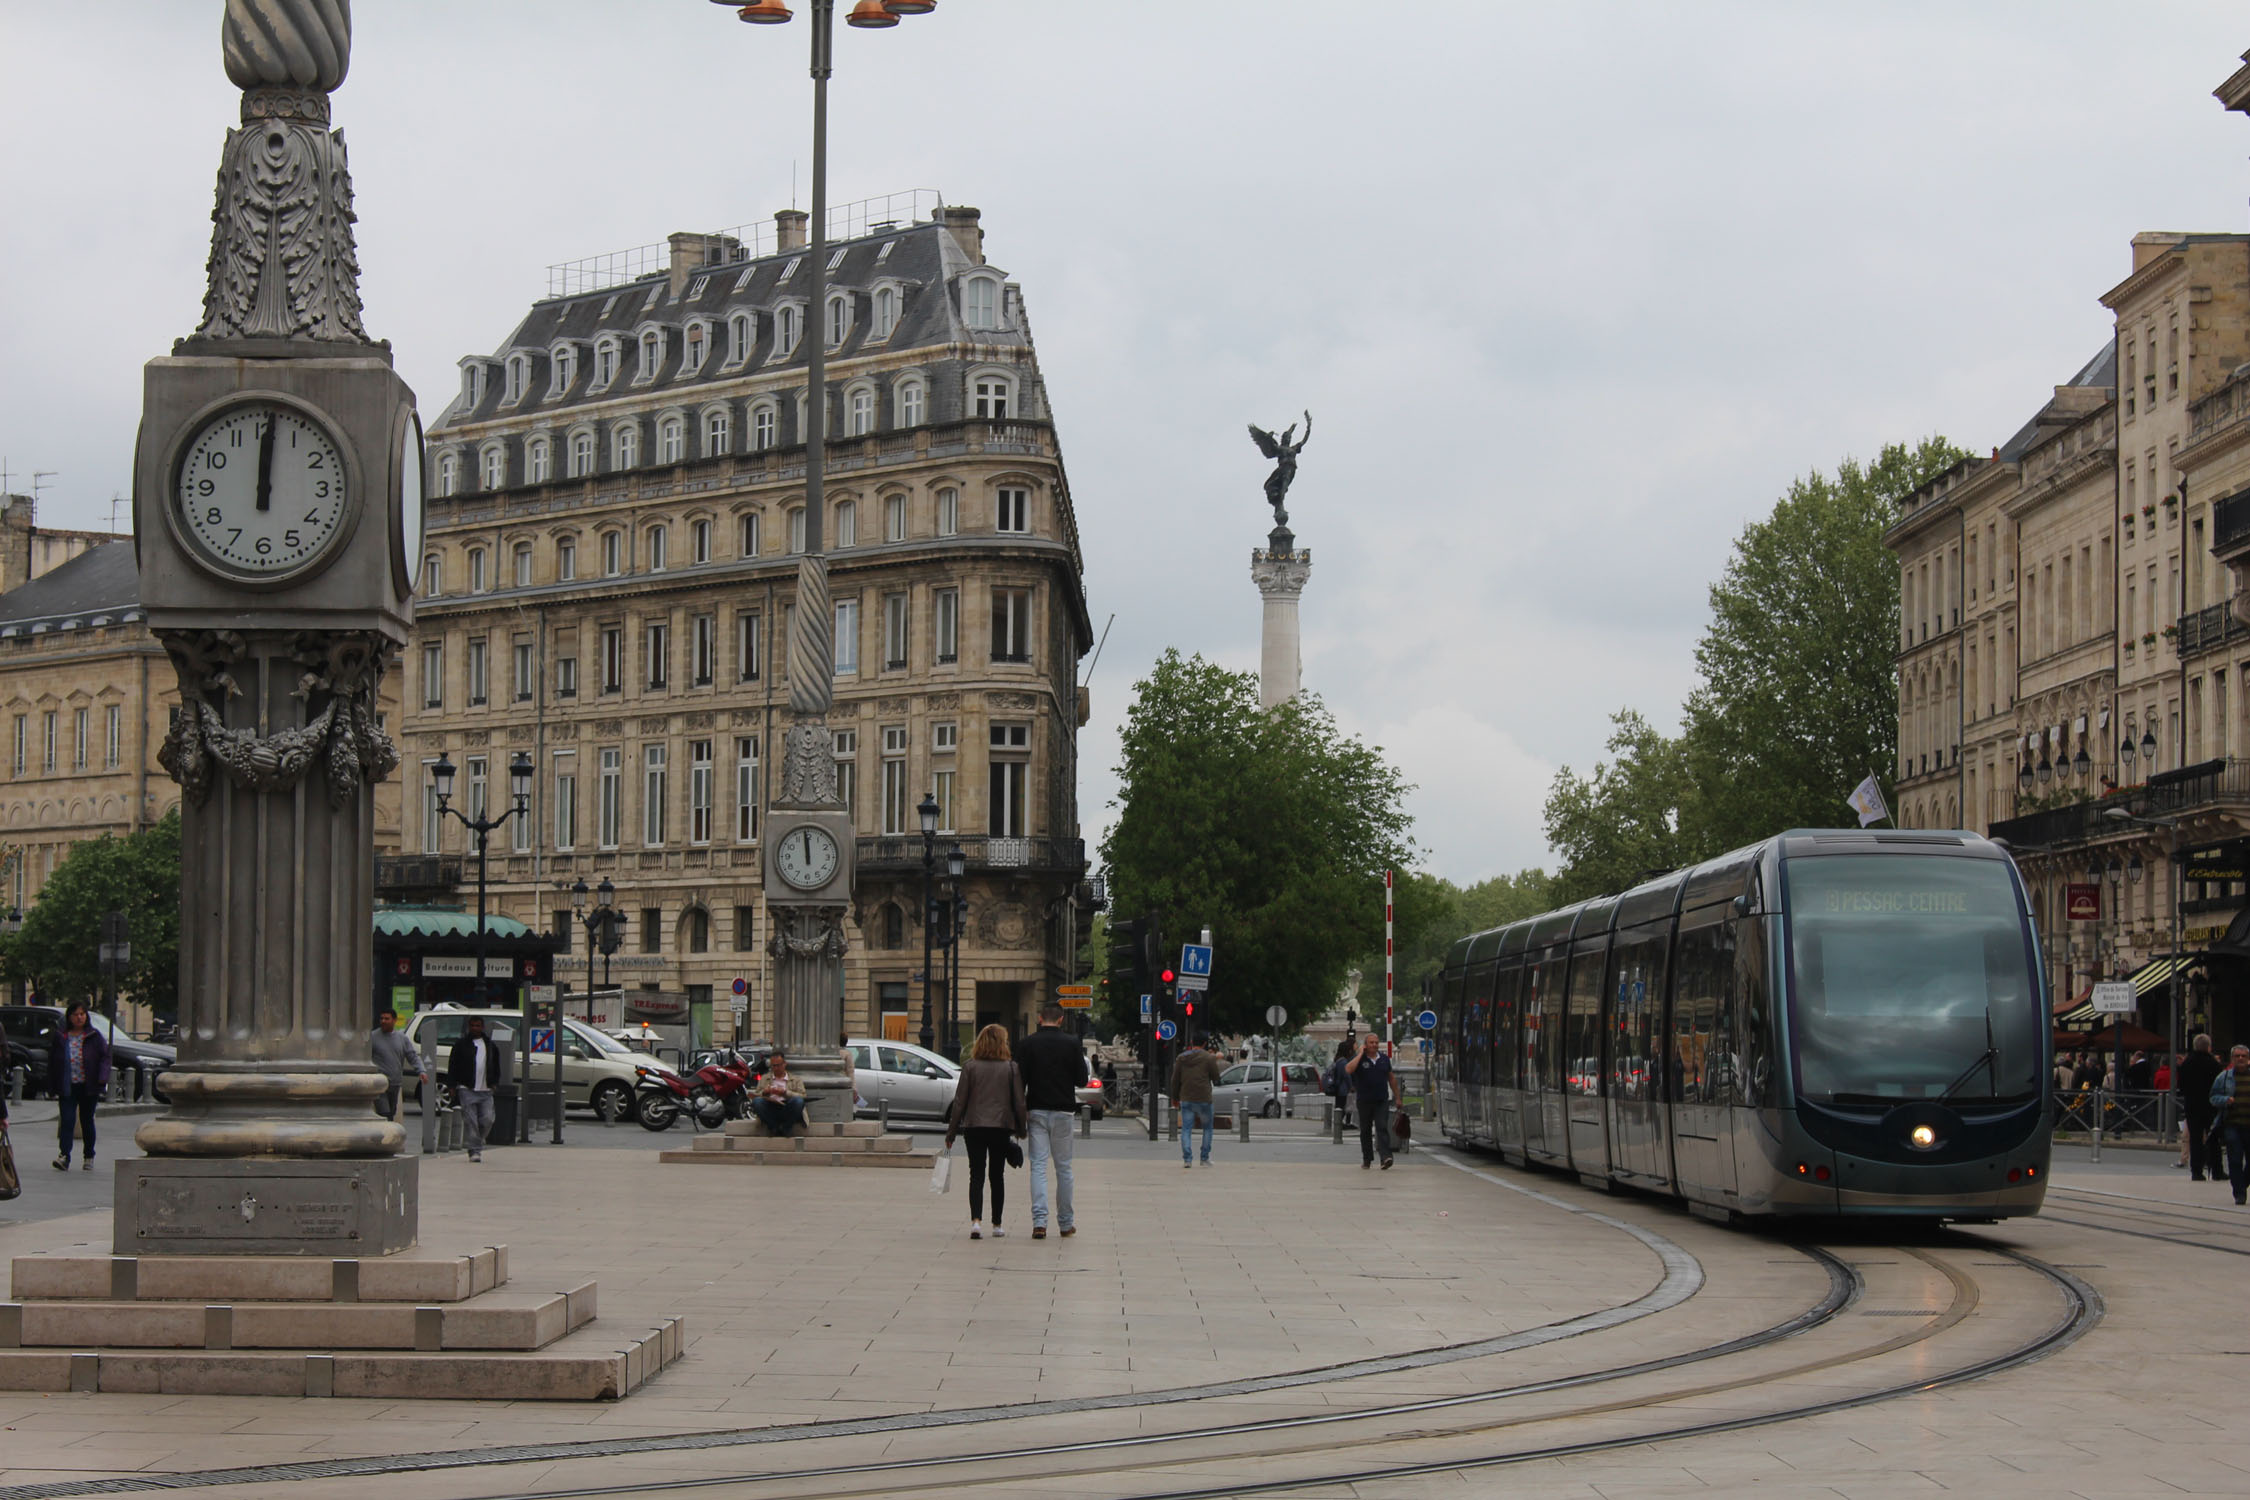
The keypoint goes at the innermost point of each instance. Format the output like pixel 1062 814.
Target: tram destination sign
pixel 2114 997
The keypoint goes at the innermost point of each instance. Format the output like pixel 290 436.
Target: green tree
pixel 1272 828
pixel 1799 693
pixel 58 951
pixel 1616 827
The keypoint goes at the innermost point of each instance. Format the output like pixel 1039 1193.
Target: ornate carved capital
pixel 339 681
pixel 807 932
pixel 1280 573
pixel 808 765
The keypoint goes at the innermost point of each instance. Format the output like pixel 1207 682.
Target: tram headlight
pixel 1923 1137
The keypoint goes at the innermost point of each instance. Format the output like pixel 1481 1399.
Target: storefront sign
pixel 2083 903
pixel 446 966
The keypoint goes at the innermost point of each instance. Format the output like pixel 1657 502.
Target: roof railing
pixel 752 241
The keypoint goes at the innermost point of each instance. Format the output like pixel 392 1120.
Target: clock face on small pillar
pixel 807 857
pixel 261 491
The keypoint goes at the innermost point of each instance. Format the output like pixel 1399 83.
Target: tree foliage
pixel 1797 697
pixel 1270 827
pixel 58 951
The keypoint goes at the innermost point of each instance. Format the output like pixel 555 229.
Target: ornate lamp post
pixel 594 922
pixel 519 805
pixel 956 910
pixel 928 812
pixel 810 842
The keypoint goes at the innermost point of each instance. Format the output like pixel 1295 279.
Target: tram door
pixel 1546 1133
pixel 1703 1062
pixel 1449 1078
pixel 1504 1104
pixel 1472 1067
pixel 1638 1148
pixel 1582 1072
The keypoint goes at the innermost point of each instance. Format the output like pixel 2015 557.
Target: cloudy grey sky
pixel 1572 290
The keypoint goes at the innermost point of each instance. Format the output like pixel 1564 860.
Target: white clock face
pixel 807 858
pixel 261 490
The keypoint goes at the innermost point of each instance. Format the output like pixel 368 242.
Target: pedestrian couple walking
pixel 1002 1099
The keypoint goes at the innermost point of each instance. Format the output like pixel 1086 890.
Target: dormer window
pixel 911 403
pixel 652 355
pixel 472 385
pixel 563 369
pixel 539 461
pixel 671 441
pixel 581 454
pixel 718 433
pixel 764 418
pixel 698 340
pixel 449 473
pixel 742 331
pixel 786 331
pixel 519 376
pixel 839 319
pixel 606 356
pixel 990 397
pixel 980 302
pixel 625 445
pixel 859 411
pixel 886 311
pixel 495 459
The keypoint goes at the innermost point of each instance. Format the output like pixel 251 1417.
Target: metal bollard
pixel 2099 1095
pixel 429 1119
pixel 883 1114
pixel 1242 1125
pixel 1172 1123
pixel 1085 1125
pixel 1335 1126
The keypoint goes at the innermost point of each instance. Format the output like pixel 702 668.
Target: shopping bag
pixel 1402 1128
pixel 941 1173
pixel 10 1183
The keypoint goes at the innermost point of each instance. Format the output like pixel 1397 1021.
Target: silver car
pixel 1251 1086
pixel 917 1085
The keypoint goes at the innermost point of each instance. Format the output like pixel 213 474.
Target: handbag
pixel 941 1173
pixel 11 1185
pixel 1015 1154
pixel 1402 1127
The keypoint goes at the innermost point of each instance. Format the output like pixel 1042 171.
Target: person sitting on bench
pixel 780 1104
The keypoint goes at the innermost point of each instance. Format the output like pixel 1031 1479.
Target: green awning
pixel 442 921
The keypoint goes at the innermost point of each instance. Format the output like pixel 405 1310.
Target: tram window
pixel 1476 1026
pixel 1583 1034
pixel 1637 996
pixel 1500 1023
pixel 1702 1031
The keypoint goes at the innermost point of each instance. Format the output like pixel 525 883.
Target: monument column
pixel 1281 571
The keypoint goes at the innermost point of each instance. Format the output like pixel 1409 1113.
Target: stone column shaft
pixel 1281 572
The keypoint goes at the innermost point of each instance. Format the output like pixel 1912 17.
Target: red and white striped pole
pixel 1390 1040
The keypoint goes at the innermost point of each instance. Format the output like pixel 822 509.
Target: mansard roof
pixel 2100 372
pixel 925 260
pixel 101 585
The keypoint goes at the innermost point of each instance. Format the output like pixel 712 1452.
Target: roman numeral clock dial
pixel 261 491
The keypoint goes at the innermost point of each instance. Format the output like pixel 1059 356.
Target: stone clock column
pixel 1281 570
pixel 277 500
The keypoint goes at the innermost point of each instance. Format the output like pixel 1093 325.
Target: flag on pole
pixel 1867 801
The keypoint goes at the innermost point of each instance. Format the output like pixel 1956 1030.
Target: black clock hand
pixel 265 467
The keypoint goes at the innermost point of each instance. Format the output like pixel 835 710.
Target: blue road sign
pixel 1195 959
pixel 1148 1008
pixel 1165 1031
pixel 1427 1020
pixel 742 986
pixel 542 1039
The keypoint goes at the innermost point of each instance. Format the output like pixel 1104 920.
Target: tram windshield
pixel 1910 979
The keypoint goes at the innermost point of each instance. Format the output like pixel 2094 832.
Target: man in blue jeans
pixel 1194 1071
pixel 1053 1065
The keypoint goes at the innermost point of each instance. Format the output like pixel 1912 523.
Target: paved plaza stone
pixel 1281 1284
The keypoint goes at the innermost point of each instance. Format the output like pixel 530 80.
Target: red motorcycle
pixel 722 1090
pixel 661 1097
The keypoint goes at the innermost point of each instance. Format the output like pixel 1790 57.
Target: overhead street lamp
pixel 519 805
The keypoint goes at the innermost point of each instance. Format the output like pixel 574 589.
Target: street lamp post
pixel 519 805
pixel 928 812
pixel 2178 982
pixel 956 909
pixel 594 922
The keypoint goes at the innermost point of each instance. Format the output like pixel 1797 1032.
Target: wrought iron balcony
pixel 2208 629
pixel 900 853
pixel 2191 789
pixel 417 872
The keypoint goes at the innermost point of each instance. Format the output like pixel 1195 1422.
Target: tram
pixel 1832 1022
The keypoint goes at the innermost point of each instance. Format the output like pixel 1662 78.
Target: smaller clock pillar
pixel 810 865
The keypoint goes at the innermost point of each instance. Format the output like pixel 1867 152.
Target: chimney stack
pixel 962 224
pixel 789 229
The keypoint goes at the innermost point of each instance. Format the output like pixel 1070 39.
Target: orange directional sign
pixel 1075 996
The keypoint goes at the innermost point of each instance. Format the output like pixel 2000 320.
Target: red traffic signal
pixel 1189 1007
pixel 1168 976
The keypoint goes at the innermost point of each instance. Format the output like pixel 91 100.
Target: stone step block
pixel 593 1364
pixel 822 1156
pixel 876 1143
pixel 416 1276
pixel 512 1320
pixel 828 1130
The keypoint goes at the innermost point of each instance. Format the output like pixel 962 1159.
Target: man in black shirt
pixel 2196 1073
pixel 1053 1065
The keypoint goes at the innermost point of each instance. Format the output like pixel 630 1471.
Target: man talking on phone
pixel 1375 1089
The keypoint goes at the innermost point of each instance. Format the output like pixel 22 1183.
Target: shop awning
pixel 2156 971
pixel 2150 976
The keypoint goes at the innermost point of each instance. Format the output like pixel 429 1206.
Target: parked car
pixel 31 1027
pixel 1090 1097
pixel 1251 1086
pixel 599 1072
pixel 917 1085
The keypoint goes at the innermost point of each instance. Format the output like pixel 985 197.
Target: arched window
pixel 606 356
pixel 742 331
pixel 911 403
pixel 699 541
pixel 980 302
pixel 656 550
pixel 718 432
pixel 449 473
pixel 613 554
pixel 519 375
pixel 886 311
pixel 698 340
pixel 785 331
pixel 562 369
pixel 949 512
pixel 626 446
pixel 581 454
pixel 671 441
pixel 476 570
pixel 847 524
pixel 539 459
pixel 839 318
pixel 697 923
pixel 433 576
pixel 523 565
pixel 859 411
pixel 763 419
pixel 990 395
pixel 894 518
pixel 797 528
pixel 495 466
pixel 748 533
pixel 652 354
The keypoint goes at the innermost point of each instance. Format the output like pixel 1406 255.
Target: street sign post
pixel 1148 1007
pixel 1195 966
pixel 1165 1031
pixel 1427 1020
pixel 1277 1015
pixel 1075 996
pixel 2114 997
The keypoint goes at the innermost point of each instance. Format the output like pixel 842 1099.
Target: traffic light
pixel 1132 953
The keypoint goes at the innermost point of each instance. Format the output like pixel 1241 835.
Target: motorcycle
pixel 722 1089
pixel 660 1097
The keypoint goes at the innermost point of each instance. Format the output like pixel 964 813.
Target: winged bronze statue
pixel 1283 451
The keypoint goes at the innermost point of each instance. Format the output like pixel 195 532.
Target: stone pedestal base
pixel 266 1206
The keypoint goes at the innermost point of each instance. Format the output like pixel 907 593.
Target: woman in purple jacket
pixel 77 1077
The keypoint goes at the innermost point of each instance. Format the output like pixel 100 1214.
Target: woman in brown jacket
pixel 988 1108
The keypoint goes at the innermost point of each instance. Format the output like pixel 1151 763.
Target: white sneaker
pixel 976 1229
pixel 998 1233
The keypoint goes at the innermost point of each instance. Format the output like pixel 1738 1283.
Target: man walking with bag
pixel 1194 1071
pixel 1375 1090
pixel 1053 1065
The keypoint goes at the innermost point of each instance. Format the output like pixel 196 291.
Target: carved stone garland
pixel 342 672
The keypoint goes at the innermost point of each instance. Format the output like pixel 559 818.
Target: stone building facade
pixel 608 581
